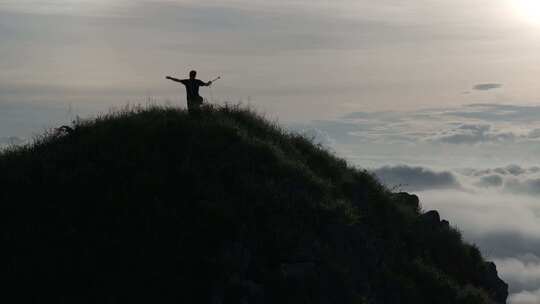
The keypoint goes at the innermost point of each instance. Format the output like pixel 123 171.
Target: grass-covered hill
pixel 154 205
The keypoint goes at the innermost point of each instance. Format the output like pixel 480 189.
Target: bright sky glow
pixel 529 10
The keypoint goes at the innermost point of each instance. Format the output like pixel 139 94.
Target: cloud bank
pixel 475 135
pixel 525 297
pixel 416 178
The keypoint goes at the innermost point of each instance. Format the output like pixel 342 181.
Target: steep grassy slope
pixel 155 205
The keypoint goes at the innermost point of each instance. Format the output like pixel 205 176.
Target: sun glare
pixel 529 10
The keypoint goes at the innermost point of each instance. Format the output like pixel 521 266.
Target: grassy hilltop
pixel 154 205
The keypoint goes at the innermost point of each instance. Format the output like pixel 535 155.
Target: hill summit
pixel 156 205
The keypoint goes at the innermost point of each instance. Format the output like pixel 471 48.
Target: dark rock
pixel 498 287
pixel 409 200
pixel 432 217
pixel 445 224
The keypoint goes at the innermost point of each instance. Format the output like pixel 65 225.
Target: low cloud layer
pixel 525 297
pixel 510 179
pixel 523 271
pixel 415 178
pixel 496 208
pixel 504 226
pixel 474 134
pixel 490 181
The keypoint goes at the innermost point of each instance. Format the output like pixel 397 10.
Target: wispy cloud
pixel 480 135
pixel 473 134
pixel 487 86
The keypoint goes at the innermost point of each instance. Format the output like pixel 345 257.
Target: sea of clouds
pixel 478 165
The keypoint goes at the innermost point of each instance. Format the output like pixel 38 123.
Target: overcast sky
pixel 297 60
pixel 438 96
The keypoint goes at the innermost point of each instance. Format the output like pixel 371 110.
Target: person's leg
pixel 194 107
pixel 190 106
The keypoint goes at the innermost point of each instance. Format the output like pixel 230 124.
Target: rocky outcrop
pixel 410 200
pixel 432 218
pixel 489 278
pixel 494 283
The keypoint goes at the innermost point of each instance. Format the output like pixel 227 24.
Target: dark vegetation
pixel 153 205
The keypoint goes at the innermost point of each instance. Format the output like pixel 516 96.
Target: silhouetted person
pixel 194 100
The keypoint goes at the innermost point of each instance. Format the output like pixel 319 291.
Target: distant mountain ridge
pixel 156 205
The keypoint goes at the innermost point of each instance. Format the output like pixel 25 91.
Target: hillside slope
pixel 158 206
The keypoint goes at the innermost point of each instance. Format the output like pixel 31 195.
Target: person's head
pixel 192 74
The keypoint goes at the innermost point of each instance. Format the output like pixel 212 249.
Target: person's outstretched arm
pixel 206 84
pixel 173 79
